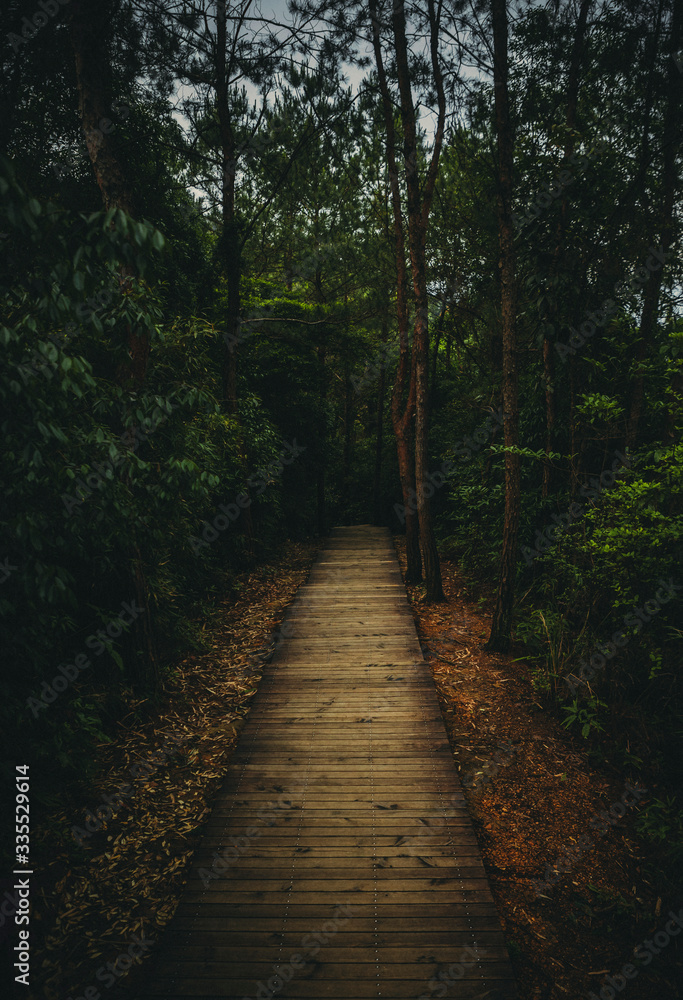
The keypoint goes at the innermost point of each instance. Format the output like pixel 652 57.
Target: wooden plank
pixel 376 882
pixel 427 810
pixel 318 969
pixel 423 917
pixel 408 877
pixel 222 923
pixel 253 939
pixel 420 972
pixel 361 823
pixel 341 828
pixel 268 947
pixel 347 988
pixel 248 893
pixel 335 868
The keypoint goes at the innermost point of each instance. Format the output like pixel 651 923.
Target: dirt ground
pixel 574 910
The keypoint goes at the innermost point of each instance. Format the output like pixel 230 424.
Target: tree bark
pixel 89 29
pixel 229 243
pixel 402 414
pixel 89 26
pixel 348 427
pixel 230 249
pixel 419 205
pixel 320 474
pixel 499 640
pixel 379 434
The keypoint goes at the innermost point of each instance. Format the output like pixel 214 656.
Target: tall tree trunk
pixel 89 32
pixel 670 180
pixel 320 473
pixel 348 427
pixel 229 243
pixel 405 452
pixel 402 414
pixel 430 554
pixel 499 640
pixel 419 204
pixel 230 253
pixel 89 28
pixel 230 250
pixel 379 434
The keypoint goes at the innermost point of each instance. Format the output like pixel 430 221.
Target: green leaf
pixel 58 434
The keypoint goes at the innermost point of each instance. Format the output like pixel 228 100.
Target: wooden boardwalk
pixel 344 861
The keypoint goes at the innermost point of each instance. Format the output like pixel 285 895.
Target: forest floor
pixel 530 787
pixel 126 878
pixel 532 792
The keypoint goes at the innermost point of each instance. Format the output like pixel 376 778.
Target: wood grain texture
pixel 339 859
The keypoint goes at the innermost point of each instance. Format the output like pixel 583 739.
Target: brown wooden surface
pixel 342 791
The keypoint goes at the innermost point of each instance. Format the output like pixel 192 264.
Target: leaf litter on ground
pixel 128 876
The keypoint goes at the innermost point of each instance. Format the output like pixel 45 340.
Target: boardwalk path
pixel 354 871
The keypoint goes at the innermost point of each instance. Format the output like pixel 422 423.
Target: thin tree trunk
pixel 320 473
pixel 229 243
pixel 405 461
pixel 89 30
pixel 419 204
pixel 348 427
pixel 379 434
pixel 230 254
pixel 499 640
pixel 230 251
pixel 402 414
